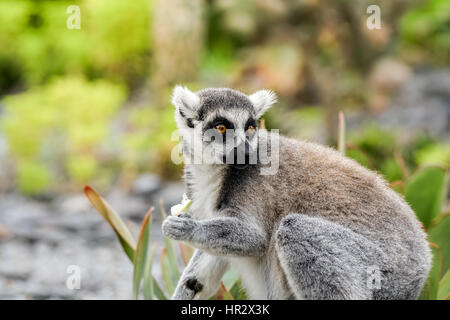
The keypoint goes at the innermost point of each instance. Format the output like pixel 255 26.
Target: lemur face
pixel 220 125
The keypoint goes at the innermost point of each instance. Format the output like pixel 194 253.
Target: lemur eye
pixel 221 128
pixel 251 129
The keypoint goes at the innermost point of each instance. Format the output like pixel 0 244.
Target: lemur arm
pixel 201 277
pixel 223 236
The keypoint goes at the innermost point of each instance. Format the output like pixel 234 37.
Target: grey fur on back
pixel 317 181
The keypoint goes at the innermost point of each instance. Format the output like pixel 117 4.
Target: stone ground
pixel 422 105
pixel 40 240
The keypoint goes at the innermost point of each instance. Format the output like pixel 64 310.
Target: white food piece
pixel 178 209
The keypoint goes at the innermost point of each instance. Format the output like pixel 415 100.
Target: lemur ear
pixel 262 100
pixel 186 102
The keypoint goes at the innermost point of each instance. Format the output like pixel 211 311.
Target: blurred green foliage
pixel 381 150
pixel 150 129
pixel 425 30
pixel 57 130
pixel 437 154
pixel 426 191
pixel 55 74
pixel 32 177
pixel 114 41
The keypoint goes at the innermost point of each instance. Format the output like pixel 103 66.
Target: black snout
pixel 240 155
pixel 243 148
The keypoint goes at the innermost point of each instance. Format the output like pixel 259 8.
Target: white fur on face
pixel 196 149
pixel 239 117
pixel 199 151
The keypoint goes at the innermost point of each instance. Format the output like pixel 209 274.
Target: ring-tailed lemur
pixel 321 227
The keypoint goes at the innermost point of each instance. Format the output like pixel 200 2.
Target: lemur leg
pixel 324 260
pixel 201 277
pixel 232 235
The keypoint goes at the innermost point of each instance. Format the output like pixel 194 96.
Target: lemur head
pixel 219 125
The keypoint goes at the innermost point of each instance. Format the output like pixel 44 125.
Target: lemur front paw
pixel 179 228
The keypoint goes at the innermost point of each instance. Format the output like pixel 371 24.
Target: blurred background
pixel 92 106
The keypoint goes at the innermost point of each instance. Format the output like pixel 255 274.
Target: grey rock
pixel 73 204
pixel 422 105
pixel 128 205
pixel 146 185
pixel 45 238
pixel 170 194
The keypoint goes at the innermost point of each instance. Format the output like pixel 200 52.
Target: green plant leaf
pixel 173 261
pixel 223 293
pixel 169 282
pixel 237 291
pixel 439 234
pixel 359 156
pixel 425 193
pixel 172 265
pixel 119 227
pixel 140 256
pixel 163 210
pixel 431 287
pixel 439 237
pixel 444 287
pixel 233 285
pixel 105 210
pixel 148 284
pixel 129 251
pixel 158 291
pixel 186 252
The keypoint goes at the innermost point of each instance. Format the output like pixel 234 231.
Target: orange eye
pixel 251 129
pixel 221 128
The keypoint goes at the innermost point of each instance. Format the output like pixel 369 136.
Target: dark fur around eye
pixel 215 122
pixel 250 122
